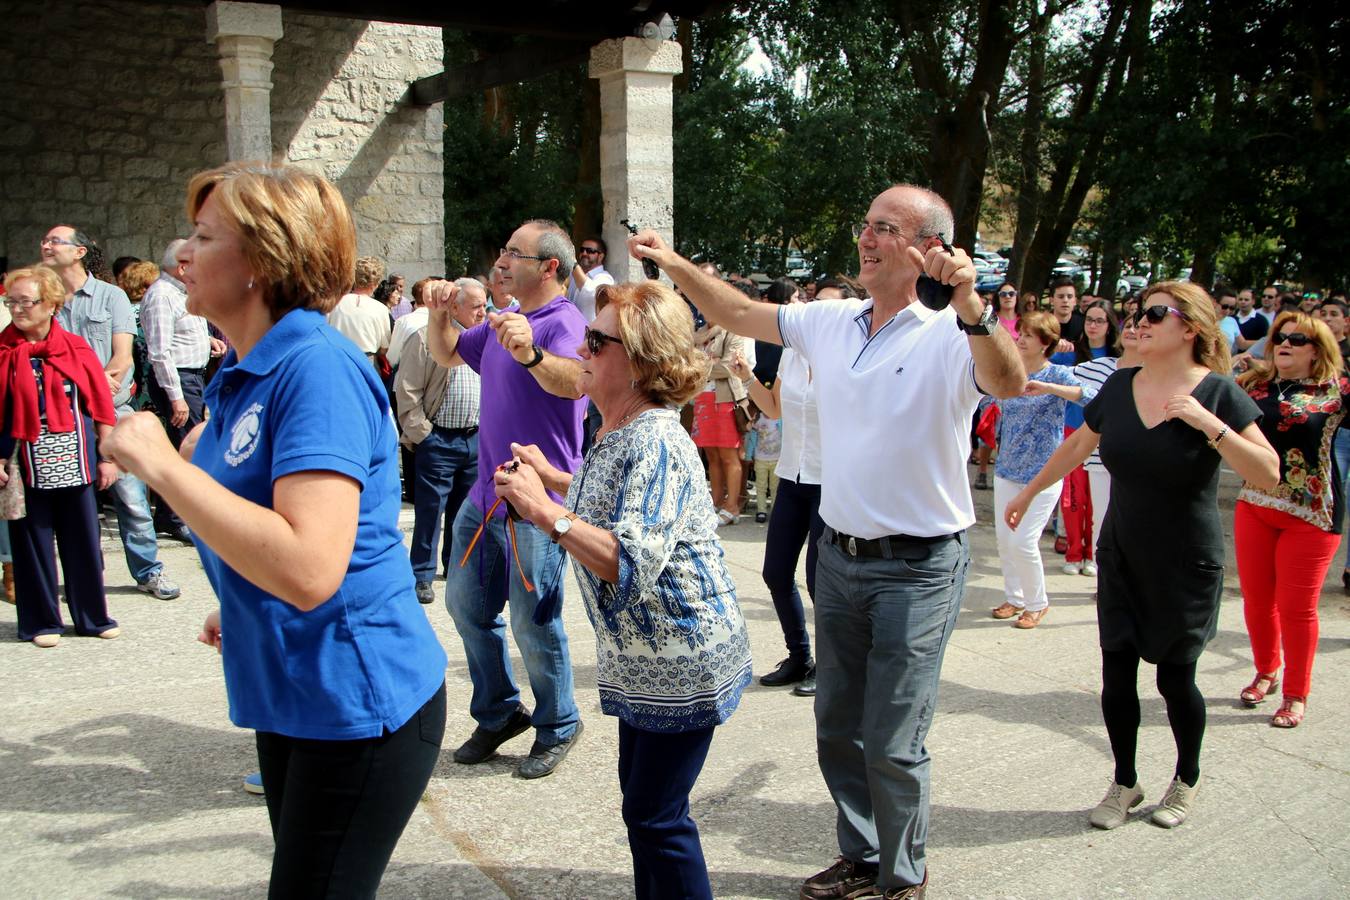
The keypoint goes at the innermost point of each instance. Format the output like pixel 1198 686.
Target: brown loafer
pixel 1030 619
pixel 1006 611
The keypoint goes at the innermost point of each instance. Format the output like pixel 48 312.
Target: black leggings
pixel 794 521
pixel 1120 709
pixel 338 808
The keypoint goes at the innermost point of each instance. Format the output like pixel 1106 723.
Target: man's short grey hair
pixel 554 243
pixel 463 283
pixel 931 214
pixel 169 262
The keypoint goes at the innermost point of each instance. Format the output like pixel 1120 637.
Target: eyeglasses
pixel 1155 314
pixel 880 229
pixel 1295 338
pixel 1007 293
pixel 596 340
pixel 56 242
pixel 1097 320
pixel 516 254
pixel 20 304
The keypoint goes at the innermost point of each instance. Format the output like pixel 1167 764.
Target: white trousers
pixel 1019 552
pixel 1099 481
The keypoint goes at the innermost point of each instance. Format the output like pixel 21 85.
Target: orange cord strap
pixel 515 546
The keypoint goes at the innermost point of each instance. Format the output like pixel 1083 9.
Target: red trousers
pixel 1075 506
pixel 1282 561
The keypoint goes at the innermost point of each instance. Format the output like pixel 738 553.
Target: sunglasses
pixel 1007 293
pixel 1295 338
pixel 589 250
pixel 596 340
pixel 1228 307
pixel 1155 314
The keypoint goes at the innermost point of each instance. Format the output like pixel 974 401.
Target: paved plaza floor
pixel 120 771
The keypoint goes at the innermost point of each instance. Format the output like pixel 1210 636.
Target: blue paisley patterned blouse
pixel 671 646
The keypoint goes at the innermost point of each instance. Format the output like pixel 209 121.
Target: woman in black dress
pixel 1162 429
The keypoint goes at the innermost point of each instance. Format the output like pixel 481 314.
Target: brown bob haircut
pixel 295 229
pixel 1044 327
pixel 658 333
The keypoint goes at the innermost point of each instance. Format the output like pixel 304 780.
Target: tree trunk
pixel 588 216
pixel 1029 149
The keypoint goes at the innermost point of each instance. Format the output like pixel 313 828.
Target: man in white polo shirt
pixel 896 386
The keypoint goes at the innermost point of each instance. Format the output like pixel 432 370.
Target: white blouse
pixel 800 459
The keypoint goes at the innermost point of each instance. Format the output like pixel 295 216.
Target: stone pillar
pixel 244 35
pixel 636 151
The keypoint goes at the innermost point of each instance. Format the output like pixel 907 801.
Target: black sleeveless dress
pixel 1160 555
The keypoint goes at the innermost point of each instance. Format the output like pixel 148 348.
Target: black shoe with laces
pixel 483 743
pixel 789 671
pixel 807 686
pixel 544 759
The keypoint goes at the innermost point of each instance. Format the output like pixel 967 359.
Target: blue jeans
pixel 882 627
pixel 445 467
pixel 137 527
pixel 795 521
pixel 477 593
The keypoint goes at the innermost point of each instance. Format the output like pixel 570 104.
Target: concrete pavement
pixel 120 772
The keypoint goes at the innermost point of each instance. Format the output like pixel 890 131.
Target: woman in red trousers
pixel 1286 537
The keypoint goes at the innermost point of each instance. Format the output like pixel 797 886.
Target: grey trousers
pixel 882 627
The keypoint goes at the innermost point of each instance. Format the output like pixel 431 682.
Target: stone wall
pixel 101 125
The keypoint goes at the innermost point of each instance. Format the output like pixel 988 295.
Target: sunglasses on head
pixel 1295 338
pixel 1155 314
pixel 596 340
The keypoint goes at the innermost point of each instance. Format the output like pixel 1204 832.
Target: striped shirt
pixel 1093 375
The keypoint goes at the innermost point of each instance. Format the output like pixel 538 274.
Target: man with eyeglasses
pixel 588 274
pixel 101 313
pixel 528 362
pixel 896 385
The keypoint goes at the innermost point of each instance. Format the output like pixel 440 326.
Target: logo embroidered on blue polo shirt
pixel 244 435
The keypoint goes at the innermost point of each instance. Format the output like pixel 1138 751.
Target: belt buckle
pixel 852 546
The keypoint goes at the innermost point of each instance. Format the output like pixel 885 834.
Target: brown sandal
pixel 1030 619
pixel 1252 695
pixel 1006 611
pixel 1285 717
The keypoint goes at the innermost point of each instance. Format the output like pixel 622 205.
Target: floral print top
pixel 1031 428
pixel 1300 419
pixel 672 651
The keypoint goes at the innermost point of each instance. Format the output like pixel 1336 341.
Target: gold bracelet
pixel 1223 433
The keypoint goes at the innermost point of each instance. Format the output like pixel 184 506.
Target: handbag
pixel 742 417
pixel 12 503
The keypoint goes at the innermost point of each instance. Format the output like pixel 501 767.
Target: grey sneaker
pixel 159 587
pixel 1176 804
pixel 1114 810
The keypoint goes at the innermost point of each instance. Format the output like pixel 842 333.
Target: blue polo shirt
pixel 305 399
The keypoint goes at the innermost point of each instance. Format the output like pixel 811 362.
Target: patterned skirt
pixel 714 423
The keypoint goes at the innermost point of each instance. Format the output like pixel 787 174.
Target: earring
pixel 633 384
pixel 250 284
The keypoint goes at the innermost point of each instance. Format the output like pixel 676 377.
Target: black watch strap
pixel 538 358
pixel 985 326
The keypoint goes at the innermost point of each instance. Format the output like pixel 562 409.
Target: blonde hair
pixel 50 289
pixel 137 278
pixel 1326 361
pixel 1044 326
pixel 1210 347
pixel 369 270
pixel 296 231
pixel 658 333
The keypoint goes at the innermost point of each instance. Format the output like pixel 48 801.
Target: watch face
pixel 562 526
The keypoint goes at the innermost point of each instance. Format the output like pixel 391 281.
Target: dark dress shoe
pixel 543 760
pixel 183 535
pixel 483 743
pixel 807 686
pixel 425 594
pixel 789 671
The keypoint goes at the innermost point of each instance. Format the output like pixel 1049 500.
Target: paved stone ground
pixel 119 770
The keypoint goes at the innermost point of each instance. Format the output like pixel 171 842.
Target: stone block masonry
pixel 108 108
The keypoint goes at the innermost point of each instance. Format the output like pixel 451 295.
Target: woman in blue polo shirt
pixel 292 493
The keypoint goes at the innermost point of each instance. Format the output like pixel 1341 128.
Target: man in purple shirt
pixel 527 360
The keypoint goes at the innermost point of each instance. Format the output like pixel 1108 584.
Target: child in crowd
pixel 768 445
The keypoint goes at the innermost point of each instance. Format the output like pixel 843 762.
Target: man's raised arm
pixel 719 302
pixel 442 335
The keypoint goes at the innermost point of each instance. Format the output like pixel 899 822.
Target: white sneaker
pixel 1089 568
pixel 1072 569
pixel 159 587
pixel 1114 810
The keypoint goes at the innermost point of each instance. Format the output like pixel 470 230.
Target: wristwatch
pixel 988 321
pixel 562 526
pixel 538 357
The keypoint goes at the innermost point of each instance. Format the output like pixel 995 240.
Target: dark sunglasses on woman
pixel 1155 314
pixel 1295 338
pixel 596 340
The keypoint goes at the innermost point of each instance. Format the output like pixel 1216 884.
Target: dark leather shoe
pixel 844 880
pixel 483 743
pixel 425 594
pixel 182 534
pixel 789 671
pixel 543 760
pixel 909 892
pixel 807 686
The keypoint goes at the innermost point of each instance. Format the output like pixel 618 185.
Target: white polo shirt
pixel 895 413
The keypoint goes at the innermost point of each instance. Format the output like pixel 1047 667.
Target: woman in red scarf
pixel 51 387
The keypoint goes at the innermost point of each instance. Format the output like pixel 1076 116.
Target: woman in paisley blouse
pixel 671 646
pixel 1287 537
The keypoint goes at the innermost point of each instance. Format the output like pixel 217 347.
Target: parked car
pixel 1066 268
pixel 998 263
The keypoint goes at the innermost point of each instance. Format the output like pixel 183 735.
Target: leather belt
pixel 888 546
pixel 456 432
